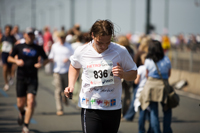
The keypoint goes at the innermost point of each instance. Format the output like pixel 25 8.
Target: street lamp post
pixel 148 12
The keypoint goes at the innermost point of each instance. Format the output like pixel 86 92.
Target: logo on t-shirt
pixel 29 52
pixel 98 102
pixel 106 81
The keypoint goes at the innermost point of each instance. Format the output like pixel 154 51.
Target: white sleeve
pixel 139 70
pixel 146 63
pixel 75 58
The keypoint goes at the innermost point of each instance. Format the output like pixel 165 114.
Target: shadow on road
pixel 9 130
pixel 66 132
pixel 176 120
pixel 53 113
pixel 71 131
pixel 8 125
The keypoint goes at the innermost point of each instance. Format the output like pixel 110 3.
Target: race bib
pixel 100 73
pixel 6 46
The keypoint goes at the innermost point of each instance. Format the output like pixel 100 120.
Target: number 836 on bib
pixel 100 73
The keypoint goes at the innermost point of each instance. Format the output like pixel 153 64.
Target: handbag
pixel 172 97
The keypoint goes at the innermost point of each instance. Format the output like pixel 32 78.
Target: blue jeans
pixel 142 117
pixel 131 111
pixel 154 120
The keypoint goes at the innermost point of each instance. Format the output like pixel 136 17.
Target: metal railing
pixel 185 60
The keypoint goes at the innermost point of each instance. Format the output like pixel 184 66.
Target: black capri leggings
pixel 100 121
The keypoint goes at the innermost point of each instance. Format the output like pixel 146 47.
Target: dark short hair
pixel 155 51
pixel 8 26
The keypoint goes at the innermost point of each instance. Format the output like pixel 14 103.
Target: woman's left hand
pixel 118 71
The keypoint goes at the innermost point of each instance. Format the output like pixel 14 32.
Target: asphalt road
pixel 186 117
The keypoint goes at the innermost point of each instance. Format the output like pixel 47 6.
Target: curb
pixel 187 94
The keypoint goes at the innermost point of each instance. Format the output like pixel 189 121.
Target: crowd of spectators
pixel 178 42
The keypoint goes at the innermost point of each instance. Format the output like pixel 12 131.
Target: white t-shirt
pixel 58 53
pixel 100 89
pixel 142 72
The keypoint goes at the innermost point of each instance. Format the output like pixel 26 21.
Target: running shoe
pixel 25 129
pixel 11 81
pixel 6 87
pixel 20 119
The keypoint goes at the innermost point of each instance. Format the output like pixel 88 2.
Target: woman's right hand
pixel 68 90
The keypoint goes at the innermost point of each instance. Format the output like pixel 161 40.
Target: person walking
pixel 140 82
pixel 8 42
pixel 48 41
pixel 59 55
pixel 27 77
pixel 154 91
pixel 104 64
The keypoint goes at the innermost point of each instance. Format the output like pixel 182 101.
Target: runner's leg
pixel 5 68
pixel 21 102
pixel 5 73
pixel 58 90
pixel 30 107
pixel 21 99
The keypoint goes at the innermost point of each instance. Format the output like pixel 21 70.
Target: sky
pixel 128 16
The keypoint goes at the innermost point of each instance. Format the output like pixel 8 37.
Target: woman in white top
pixel 104 64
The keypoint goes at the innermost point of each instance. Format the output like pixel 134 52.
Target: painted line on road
pixel 3 93
pixel 32 121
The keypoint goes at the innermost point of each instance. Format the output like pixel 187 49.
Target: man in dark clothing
pixel 27 77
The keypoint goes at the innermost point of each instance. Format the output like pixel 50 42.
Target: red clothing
pixel 48 41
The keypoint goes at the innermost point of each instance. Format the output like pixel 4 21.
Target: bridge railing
pixel 185 60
